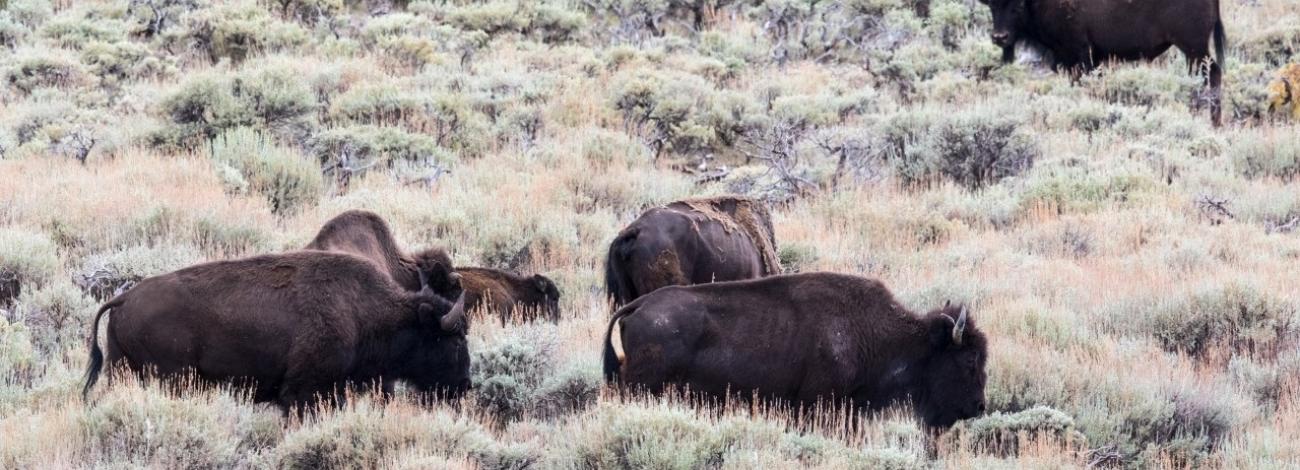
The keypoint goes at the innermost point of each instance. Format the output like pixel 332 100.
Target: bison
pixel 1084 33
pixel 365 234
pixel 294 327
pixel 504 293
pixel 802 338
pixel 694 241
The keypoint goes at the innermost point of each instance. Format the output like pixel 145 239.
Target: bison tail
pixel 617 283
pixel 1220 42
pixel 614 358
pixel 96 362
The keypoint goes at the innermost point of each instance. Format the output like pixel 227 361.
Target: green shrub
pixel 239 30
pixel 571 389
pixel 1266 381
pixel 974 148
pixel 28 260
pixel 102 275
pixel 76 33
pixel 18 359
pixel 509 375
pixel 273 97
pixel 357 147
pixel 200 108
pixel 796 257
pixel 1073 185
pixel 31 13
pixel 1143 85
pixel 1259 154
pixel 1278 44
pixel 31 70
pixel 1004 433
pixel 287 180
pixel 1237 315
pixel 149 428
pixel 11 31
pixel 56 316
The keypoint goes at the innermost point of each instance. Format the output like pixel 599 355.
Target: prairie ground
pixel 1134 267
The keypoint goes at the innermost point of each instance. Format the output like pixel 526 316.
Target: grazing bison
pixel 504 293
pixel 365 234
pixel 1083 33
pixel 694 241
pixel 802 338
pixel 294 327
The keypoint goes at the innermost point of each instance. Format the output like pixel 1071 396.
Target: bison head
pixel 437 273
pixel 550 295
pixel 951 379
pixel 433 310
pixel 440 364
pixel 1010 19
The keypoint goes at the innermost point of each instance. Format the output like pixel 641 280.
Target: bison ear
pixel 940 334
pixel 543 285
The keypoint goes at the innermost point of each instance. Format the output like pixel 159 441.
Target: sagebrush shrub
pixel 32 70
pixel 240 30
pixel 1238 315
pixel 1259 154
pixel 287 179
pixel 974 148
pixel 28 260
pixel 103 274
pixel 1004 433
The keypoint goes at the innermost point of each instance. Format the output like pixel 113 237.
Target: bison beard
pixel 297 326
pixel 802 338
pixel 695 241
pixel 1084 33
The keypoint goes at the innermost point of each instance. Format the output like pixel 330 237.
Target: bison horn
pixel 454 321
pixel 959 328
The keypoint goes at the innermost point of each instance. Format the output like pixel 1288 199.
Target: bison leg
pixel 1216 93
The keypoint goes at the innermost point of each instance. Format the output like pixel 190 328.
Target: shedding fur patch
pixel 1284 91
pixel 750 217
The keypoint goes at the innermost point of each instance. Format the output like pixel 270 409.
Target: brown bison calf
pixel 693 241
pixel 505 294
pixel 295 327
pixel 802 338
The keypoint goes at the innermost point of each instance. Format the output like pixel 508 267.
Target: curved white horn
pixel 959 328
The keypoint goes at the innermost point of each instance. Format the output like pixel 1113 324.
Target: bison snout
pixel 1002 38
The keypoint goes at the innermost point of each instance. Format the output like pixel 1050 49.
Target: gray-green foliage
pixel 975 147
pixel 1004 433
pixel 1266 154
pixel 287 179
pixel 103 274
pixel 518 377
pixel 240 30
pixel 28 260
pixel 271 98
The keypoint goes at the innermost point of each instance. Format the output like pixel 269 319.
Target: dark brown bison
pixel 505 294
pixel 1084 33
pixel 694 241
pixel 802 338
pixel 365 234
pixel 295 327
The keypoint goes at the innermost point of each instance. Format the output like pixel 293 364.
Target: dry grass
pixel 1131 323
